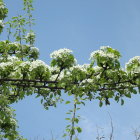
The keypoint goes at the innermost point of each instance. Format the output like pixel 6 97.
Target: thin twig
pixel 73 118
pixel 112 127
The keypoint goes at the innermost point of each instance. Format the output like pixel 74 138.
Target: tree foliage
pixel 23 74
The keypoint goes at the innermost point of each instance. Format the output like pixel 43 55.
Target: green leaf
pixel 51 95
pixel 72 131
pixel 68 126
pixel 79 129
pixel 117 98
pixel 67 118
pixel 68 113
pixel 41 101
pixel 83 103
pixel 134 91
pixel 37 96
pixel 67 102
pixel 122 101
pixel 139 89
pixel 100 103
pixel 76 120
pixel 128 95
pixel 64 135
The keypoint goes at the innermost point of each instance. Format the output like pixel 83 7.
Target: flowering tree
pixel 23 74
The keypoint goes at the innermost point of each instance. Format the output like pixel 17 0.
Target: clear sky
pixel 82 26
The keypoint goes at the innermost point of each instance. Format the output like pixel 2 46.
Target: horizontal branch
pixel 121 82
pixel 62 88
pixel 27 80
pixel 118 88
pixel 37 86
pixel 8 52
pixel 32 83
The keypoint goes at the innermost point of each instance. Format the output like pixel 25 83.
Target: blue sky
pixel 82 26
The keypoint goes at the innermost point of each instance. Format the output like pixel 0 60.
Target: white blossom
pixel 90 81
pixel 4 41
pixel 12 59
pixel 79 68
pixel 53 77
pixel 34 50
pixel 31 34
pixel 13 121
pixel 15 44
pixel 104 52
pixel 1 23
pixel 2 6
pixel 54 69
pixel 24 64
pixel 97 68
pixel 133 65
pixel 86 66
pixel 133 60
pixel 104 47
pixel 4 65
pixel 60 77
pixel 59 53
pixel 38 63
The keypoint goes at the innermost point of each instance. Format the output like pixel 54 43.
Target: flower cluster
pixel 5 66
pixel 40 70
pixel 13 67
pixel 30 38
pixel 62 58
pixel 1 24
pixel 97 69
pixel 106 57
pixel 8 123
pixel 77 72
pixel 3 14
pixel 60 53
pixel 3 11
pixel 34 52
pixel 23 71
pixel 58 77
pixel 34 70
pixel 8 66
pixel 133 66
pixel 13 46
pixel 9 58
pixel 87 81
pixel 20 51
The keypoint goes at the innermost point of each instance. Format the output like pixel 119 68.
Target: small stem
pixel 73 119
pixel 9 32
pixel 112 128
pixel 19 32
pixel 20 41
pixel 59 74
pixel 29 15
pixel 30 24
